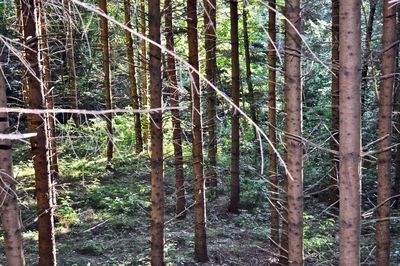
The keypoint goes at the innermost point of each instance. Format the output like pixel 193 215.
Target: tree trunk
pixel 248 69
pixel 293 129
pixel 10 215
pixel 200 241
pixel 39 143
pixel 235 153
pixel 273 163
pixel 210 46
pixel 176 119
pixel 385 129
pixel 349 130
pixel 157 163
pixel 334 190
pixel 73 92
pixel 107 77
pixel 132 79
pixel 145 119
pixel 397 108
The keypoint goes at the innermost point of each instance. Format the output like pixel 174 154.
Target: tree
pixel 132 79
pixel 385 133
pixel 200 241
pixel 144 73
pixel 210 45
pixel 396 107
pixel 173 88
pixel 39 143
pixel 235 152
pixel 273 163
pixel 349 130
pixel 107 77
pixel 10 215
pixel 293 132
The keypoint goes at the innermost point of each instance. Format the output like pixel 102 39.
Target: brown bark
pixel 9 211
pixel 132 78
pixel 248 69
pixel 397 108
pixel 210 46
pixel 334 190
pixel 107 77
pixel 293 126
pixel 349 130
pixel 176 119
pixel 235 153
pixel 157 163
pixel 200 241
pixel 39 143
pixel 384 129
pixel 273 163
pixel 145 120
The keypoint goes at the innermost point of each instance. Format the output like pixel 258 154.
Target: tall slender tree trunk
pixel 385 129
pixel 200 241
pixel 145 120
pixel 176 119
pixel 397 108
pixel 73 92
pixel 334 190
pixel 349 130
pixel 273 163
pixel 157 162
pixel 39 143
pixel 9 211
pixel 235 153
pixel 248 68
pixel 210 45
pixel 132 79
pixel 107 77
pixel 294 131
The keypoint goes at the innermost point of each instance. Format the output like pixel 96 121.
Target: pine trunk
pixel 145 119
pixel 397 108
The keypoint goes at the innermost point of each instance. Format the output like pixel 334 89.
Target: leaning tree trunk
pixel 144 74
pixel 39 143
pixel 132 79
pixel 180 210
pixel 334 190
pixel 200 241
pixel 210 46
pixel 385 133
pixel 107 77
pixel 273 163
pixel 9 212
pixel 235 153
pixel 293 131
pixel 349 130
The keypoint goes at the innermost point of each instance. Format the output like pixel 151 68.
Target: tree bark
pixel 397 108
pixel 349 130
pixel 385 129
pixel 107 77
pixel 39 143
pixel 293 129
pixel 10 215
pixel 200 242
pixel 210 46
pixel 145 120
pixel 235 153
pixel 176 119
pixel 273 163
pixel 132 79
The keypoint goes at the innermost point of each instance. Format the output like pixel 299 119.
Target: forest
pixel 254 132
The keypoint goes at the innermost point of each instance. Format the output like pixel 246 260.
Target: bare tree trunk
pixel 132 79
pixel 349 130
pixel 385 129
pixel 293 129
pixel 200 241
pixel 334 190
pixel 39 143
pixel 157 163
pixel 73 92
pixel 145 120
pixel 10 215
pixel 176 119
pixel 107 77
pixel 397 108
pixel 210 46
pixel 235 152
pixel 273 163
